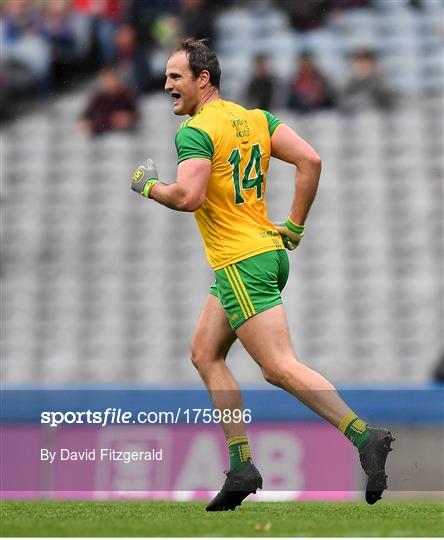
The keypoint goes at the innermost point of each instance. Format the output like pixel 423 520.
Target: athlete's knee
pixel 272 375
pixel 201 356
pixel 279 375
pixel 196 356
pixel 204 358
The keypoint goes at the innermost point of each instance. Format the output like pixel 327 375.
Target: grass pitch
pixel 156 518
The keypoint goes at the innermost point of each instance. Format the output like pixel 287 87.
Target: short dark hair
pixel 201 57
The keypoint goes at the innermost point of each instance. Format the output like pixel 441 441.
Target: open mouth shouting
pixel 176 97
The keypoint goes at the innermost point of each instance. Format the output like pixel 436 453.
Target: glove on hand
pixel 144 178
pixel 291 233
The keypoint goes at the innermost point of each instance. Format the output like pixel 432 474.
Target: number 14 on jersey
pixel 247 183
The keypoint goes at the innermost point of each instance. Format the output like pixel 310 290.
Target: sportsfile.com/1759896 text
pixel 113 415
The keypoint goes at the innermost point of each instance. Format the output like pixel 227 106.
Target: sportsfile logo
pixel 119 416
pixel 138 174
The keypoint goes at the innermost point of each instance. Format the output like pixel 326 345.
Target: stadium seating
pixel 101 286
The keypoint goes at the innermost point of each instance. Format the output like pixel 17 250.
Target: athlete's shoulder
pixel 190 126
pixel 272 122
pixel 185 123
pixel 193 141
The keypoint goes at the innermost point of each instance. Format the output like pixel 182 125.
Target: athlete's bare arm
pixel 188 192
pixel 287 146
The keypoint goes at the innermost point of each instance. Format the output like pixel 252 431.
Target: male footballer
pixel 224 152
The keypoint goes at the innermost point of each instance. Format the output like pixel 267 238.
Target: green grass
pixel 68 518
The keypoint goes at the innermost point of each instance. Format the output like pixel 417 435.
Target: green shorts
pixel 252 285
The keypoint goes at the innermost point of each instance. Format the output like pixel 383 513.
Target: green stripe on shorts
pixel 252 285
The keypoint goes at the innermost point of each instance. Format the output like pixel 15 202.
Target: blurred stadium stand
pixel 409 41
pixel 100 286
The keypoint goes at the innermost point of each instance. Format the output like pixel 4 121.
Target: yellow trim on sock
pixel 244 452
pixel 237 439
pixel 358 425
pixel 241 283
pixel 346 421
pixel 239 290
pixel 239 301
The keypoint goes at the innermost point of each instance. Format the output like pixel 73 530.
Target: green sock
pixel 239 452
pixel 355 430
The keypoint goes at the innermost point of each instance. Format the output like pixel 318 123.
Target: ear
pixel 204 78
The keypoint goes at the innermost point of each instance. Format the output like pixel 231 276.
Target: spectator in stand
pixel 305 15
pixel 132 64
pixel 57 25
pixel 366 87
pixel 197 19
pixel 340 5
pixel 23 45
pixel 112 108
pixel 310 90
pixel 105 15
pixel 142 16
pixel 261 86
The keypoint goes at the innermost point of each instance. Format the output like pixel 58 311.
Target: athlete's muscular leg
pixel 211 342
pixel 266 338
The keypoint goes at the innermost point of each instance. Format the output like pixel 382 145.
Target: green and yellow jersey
pixel 233 218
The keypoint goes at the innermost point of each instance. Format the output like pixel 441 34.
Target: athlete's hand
pixel 144 178
pixel 291 233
